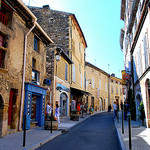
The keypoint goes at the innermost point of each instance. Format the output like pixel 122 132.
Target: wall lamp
pixel 58 54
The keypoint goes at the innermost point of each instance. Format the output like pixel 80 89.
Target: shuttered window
pixel 145 51
pixel 73 73
pixel 66 71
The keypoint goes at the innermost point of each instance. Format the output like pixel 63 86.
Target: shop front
pixel 34 106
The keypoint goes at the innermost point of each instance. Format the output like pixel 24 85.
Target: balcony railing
pixel 3 18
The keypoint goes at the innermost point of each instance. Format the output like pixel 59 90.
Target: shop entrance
pixel 35 107
pixel 63 104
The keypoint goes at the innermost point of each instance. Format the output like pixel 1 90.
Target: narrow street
pixel 97 132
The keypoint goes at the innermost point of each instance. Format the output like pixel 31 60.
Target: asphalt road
pixel 96 133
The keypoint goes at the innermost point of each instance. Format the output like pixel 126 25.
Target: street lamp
pixel 58 56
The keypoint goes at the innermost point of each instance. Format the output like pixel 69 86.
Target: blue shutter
pixel 35 44
pixel 66 71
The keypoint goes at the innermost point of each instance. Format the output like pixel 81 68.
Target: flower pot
pixel 48 125
pixel 74 117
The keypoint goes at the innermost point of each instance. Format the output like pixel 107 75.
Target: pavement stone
pixel 140 135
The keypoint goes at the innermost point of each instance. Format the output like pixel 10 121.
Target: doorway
pixel 35 107
pixel 12 107
pixel 63 104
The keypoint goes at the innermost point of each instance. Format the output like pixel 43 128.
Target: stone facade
pixel 66 33
pixel 12 45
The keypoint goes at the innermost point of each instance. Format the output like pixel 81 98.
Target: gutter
pixel 23 76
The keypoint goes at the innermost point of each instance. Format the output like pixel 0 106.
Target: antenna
pixel 108 68
pixel 29 3
pixel 95 62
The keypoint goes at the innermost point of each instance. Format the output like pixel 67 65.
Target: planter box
pixel 48 125
pixel 74 117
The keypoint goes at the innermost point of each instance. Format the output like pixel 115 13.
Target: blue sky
pixel 101 24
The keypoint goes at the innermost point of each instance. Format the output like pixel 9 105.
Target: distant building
pixel 103 89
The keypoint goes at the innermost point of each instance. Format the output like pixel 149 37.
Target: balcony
pixel 3 18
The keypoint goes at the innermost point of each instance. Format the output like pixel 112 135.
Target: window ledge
pixel 3 48
pixel 3 70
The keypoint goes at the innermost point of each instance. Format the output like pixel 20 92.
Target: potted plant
pixel 74 116
pixel 142 112
pixel 54 123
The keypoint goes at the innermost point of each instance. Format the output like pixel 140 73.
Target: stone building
pixel 103 89
pixel 134 41
pixel 21 38
pixel 67 35
pixel 62 81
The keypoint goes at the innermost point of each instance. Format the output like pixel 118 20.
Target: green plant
pixel 142 112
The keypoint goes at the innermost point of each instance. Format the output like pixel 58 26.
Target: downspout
pixel 23 76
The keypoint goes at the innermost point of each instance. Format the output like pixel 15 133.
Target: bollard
pixel 117 116
pixel 129 120
pixel 51 120
pixel 122 121
pixel 24 133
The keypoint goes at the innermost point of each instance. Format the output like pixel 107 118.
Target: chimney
pixel 46 6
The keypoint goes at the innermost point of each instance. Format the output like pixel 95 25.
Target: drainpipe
pixel 23 76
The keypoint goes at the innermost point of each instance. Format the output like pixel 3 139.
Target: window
pixel 99 85
pixel 139 62
pixel 2 52
pixel 36 44
pixel 66 71
pixel 116 90
pixel 5 14
pixel 120 91
pixel 106 87
pixel 33 63
pixel 92 82
pixel 2 58
pixel 79 47
pixel 112 90
pixel 35 76
pixel 79 68
pixel 73 73
pixel 145 51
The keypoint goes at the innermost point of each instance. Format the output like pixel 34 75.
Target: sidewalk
pixel 140 135
pixel 37 136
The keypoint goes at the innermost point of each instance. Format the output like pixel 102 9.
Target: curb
pixel 36 145
pixel 122 145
